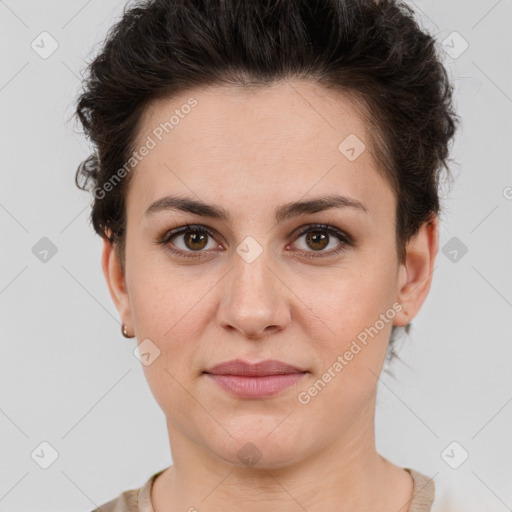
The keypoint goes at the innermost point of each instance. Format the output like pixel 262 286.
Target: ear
pixel 115 277
pixel 416 273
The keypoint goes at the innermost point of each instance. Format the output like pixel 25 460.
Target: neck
pixel 345 475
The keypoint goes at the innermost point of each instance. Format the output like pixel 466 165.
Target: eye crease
pixel 319 235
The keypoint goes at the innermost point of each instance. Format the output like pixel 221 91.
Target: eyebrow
pixel 282 213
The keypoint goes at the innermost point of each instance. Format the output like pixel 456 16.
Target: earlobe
pixel 417 271
pixel 115 277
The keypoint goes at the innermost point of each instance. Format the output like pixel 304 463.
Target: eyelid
pixel 345 240
pixel 325 226
pixel 180 230
pixel 170 233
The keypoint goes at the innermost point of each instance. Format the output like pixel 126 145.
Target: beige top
pixel 139 500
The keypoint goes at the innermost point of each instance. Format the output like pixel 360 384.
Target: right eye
pixel 191 240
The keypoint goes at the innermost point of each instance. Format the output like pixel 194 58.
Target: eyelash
pixel 346 240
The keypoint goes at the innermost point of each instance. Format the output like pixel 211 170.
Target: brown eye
pixel 319 237
pixel 317 240
pixel 195 240
pixel 189 241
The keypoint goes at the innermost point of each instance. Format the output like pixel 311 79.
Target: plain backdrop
pixel 69 379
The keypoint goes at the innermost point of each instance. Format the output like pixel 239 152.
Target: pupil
pixel 316 237
pixel 195 238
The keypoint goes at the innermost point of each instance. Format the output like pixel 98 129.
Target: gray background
pixel 70 379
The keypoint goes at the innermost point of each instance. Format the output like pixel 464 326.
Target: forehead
pixel 267 144
pixel 289 112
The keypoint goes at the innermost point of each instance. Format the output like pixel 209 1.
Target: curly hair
pixel 374 51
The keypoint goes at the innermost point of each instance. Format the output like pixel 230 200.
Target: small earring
pixel 124 331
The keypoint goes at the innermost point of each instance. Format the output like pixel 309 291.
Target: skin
pixel 250 151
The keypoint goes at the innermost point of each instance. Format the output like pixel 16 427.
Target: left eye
pixel 318 238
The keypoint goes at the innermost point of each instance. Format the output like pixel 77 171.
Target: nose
pixel 255 300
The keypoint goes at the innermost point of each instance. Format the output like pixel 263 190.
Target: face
pixel 253 285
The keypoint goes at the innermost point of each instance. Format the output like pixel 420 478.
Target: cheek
pixel 172 315
pixel 167 315
pixel 354 298
pixel 164 296
pixel 351 359
pixel 358 308
pixel 169 308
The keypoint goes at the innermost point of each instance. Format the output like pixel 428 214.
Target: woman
pixel 265 180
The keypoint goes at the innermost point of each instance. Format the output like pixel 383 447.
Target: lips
pixel 259 369
pixel 254 380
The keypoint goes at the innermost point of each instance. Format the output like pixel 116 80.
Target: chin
pixel 259 448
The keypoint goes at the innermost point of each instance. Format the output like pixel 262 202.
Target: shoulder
pixel 441 496
pixel 132 500
pixel 125 502
pixel 423 492
pixel 456 491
